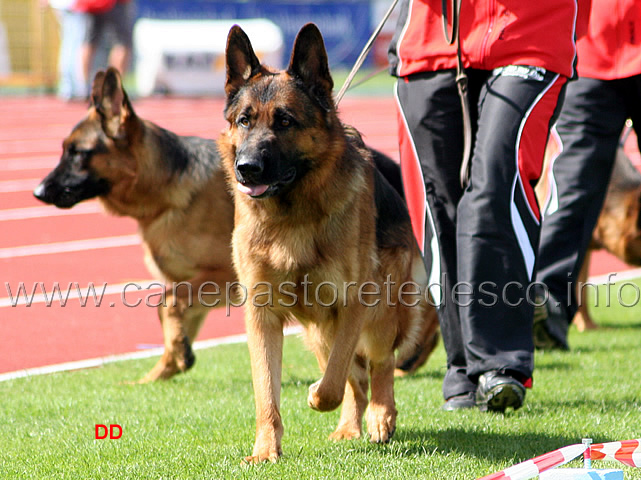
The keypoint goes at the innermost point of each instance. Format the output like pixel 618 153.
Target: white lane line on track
pixel 24 185
pixel 615 277
pixel 154 352
pixel 24 213
pixel 91 295
pixel 70 246
pixel 28 163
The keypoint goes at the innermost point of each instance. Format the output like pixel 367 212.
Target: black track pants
pixel 479 244
pixel 589 127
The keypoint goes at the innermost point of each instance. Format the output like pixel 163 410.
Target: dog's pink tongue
pixel 254 191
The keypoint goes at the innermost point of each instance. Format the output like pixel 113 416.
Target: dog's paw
pixel 184 355
pixel 345 433
pixel 323 401
pixel 381 424
pixel 163 370
pixel 266 455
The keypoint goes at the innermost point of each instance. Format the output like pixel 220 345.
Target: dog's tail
pixel 415 353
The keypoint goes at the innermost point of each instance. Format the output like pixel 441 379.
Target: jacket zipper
pixel 491 14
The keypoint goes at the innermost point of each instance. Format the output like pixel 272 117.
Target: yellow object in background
pixel 31 42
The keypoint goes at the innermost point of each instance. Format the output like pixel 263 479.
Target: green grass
pixel 366 82
pixel 200 425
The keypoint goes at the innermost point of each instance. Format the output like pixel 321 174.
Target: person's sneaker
pixel 497 392
pixel 460 402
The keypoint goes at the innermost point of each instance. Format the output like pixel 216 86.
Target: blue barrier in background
pixel 345 25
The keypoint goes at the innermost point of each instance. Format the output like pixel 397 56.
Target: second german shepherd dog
pixel 319 236
pixel 173 186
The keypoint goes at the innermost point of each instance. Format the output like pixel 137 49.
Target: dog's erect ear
pixel 242 62
pixel 110 99
pixel 96 88
pixel 309 63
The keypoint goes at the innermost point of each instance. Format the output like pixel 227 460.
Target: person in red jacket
pixel 102 16
pixel 596 107
pixel 480 241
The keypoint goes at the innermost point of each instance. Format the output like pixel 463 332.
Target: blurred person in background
pixel 106 17
pixel 73 24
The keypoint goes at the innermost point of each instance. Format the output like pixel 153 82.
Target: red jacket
pixel 494 33
pixel 611 47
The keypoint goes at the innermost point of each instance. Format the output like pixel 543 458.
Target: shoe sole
pixel 502 397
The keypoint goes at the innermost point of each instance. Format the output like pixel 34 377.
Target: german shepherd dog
pixel 320 236
pixel 173 186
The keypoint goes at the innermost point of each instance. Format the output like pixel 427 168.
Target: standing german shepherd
pixel 319 236
pixel 172 185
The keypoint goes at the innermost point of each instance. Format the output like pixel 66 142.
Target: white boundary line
pixel 153 352
pixel 32 162
pixel 70 246
pixel 24 185
pixel 46 211
pixel 616 277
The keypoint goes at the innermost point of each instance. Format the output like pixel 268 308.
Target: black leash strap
pixel 461 84
pixel 363 55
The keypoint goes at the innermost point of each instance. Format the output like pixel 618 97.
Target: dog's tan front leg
pixel 178 355
pixel 381 412
pixel 265 340
pixel 354 402
pixel 187 304
pixel 327 393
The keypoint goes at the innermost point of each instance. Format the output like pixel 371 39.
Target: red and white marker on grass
pixel 533 467
pixel 627 452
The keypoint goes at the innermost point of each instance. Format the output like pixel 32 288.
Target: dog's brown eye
pixel 285 123
pixel 243 121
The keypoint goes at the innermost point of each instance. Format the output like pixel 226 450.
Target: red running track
pixel 82 246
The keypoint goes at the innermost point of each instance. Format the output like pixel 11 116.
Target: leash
pixel 361 58
pixel 461 84
pixel 461 77
pixel 368 77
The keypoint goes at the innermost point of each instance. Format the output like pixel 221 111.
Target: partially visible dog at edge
pixel 312 209
pixel 618 229
pixel 173 186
